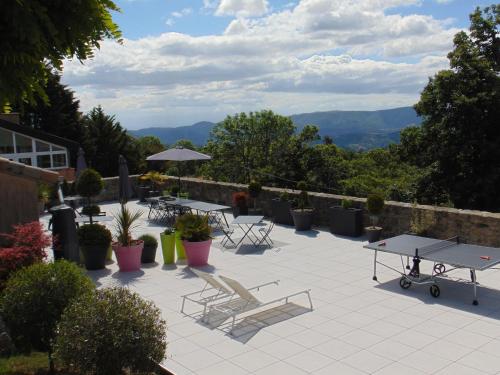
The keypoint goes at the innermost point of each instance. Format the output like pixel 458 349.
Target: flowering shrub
pixel 240 199
pixel 26 245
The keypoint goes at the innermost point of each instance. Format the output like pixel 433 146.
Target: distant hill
pixel 350 129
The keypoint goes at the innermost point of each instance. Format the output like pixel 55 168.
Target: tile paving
pixel 358 326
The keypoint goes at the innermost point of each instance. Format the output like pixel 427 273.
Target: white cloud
pixel 182 13
pixel 319 55
pixel 242 8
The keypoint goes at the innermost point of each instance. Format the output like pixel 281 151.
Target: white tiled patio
pixel 358 326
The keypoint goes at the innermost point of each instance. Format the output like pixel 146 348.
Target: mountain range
pixel 358 130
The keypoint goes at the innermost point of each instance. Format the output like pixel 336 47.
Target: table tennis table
pixel 451 252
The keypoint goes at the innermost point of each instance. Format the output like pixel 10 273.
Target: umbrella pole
pixel 179 177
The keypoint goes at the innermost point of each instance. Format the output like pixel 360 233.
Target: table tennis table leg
pixel 474 282
pixel 375 267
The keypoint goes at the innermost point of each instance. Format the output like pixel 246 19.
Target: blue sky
pixel 194 60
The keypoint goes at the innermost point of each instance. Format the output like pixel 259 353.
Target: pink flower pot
pixel 197 252
pixel 129 257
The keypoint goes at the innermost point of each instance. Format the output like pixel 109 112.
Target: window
pixel 42 146
pixel 23 144
pixel 6 142
pixel 43 161
pixel 58 160
pixel 26 161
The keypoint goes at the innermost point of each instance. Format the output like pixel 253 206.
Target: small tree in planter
pixel 128 251
pixel 254 189
pixel 346 220
pixel 88 185
pixel 149 249
pixel 111 331
pixel 281 208
pixel 374 205
pixel 43 196
pixel 195 234
pixel 94 241
pixel 240 203
pixel 303 213
pixel 167 238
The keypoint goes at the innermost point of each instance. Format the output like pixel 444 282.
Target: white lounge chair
pixel 213 291
pixel 247 301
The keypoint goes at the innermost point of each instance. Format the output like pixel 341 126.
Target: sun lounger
pixel 213 291
pixel 246 301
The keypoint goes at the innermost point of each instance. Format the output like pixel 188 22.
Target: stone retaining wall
pixel 440 222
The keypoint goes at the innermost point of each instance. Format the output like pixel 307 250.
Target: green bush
pixel 347 203
pixel 194 228
pixel 254 188
pixel 91 210
pixel 149 240
pixel 89 184
pixel 109 331
pixel 302 185
pixel 374 204
pixel 34 299
pixel 94 235
pixel 285 197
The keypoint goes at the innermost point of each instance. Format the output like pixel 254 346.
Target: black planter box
pixel 281 212
pixel 346 221
pixel 148 254
pixel 240 211
pixel 302 219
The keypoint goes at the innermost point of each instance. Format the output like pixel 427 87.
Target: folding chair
pixel 265 232
pixel 228 232
pixel 247 301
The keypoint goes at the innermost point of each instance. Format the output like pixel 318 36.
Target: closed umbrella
pixel 124 181
pixel 81 164
pixel 178 153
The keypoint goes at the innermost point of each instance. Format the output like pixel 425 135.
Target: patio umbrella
pixel 81 164
pixel 178 153
pixel 124 181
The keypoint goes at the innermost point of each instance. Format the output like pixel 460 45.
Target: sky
pixel 186 61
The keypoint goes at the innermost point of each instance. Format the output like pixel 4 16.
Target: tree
pixel 148 146
pixel 105 141
pixel 460 109
pixel 35 33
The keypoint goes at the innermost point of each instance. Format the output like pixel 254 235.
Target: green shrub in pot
pixel 374 204
pixel 196 235
pixel 149 249
pixel 94 241
pixel 303 213
pixel 89 184
pixel 91 210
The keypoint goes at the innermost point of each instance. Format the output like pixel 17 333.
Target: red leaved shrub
pixel 26 245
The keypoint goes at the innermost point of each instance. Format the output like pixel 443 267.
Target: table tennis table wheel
pixel 435 292
pixel 439 268
pixel 404 283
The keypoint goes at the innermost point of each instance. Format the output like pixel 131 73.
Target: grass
pixel 34 364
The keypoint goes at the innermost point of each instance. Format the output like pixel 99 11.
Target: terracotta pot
pixel 129 257
pixel 197 252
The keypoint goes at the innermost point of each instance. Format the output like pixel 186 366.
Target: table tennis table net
pixel 436 246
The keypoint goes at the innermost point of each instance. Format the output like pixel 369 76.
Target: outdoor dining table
pixel 95 219
pixel 246 223
pixel 205 207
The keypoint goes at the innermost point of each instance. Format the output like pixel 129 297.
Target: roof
pixel 41 135
pixel 22 170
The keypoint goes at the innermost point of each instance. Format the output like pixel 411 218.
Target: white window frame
pixel 33 155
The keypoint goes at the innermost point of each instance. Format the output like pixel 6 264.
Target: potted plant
pixel 156 179
pixel 281 209
pixel 303 214
pixel 128 251
pixel 195 238
pixel 240 203
pixel 88 185
pixel 144 187
pixel 149 248
pixel 43 197
pixel 254 190
pixel 374 205
pixel 346 220
pixel 167 238
pixel 94 241
pixel 91 210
